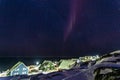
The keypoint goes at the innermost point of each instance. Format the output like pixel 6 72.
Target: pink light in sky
pixel 75 7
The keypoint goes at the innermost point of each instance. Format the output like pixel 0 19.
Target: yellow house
pixel 67 64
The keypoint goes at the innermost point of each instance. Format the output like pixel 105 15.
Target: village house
pixel 18 69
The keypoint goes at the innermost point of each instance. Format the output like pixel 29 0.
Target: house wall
pixel 20 70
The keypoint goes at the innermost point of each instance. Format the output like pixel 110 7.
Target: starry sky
pixel 59 27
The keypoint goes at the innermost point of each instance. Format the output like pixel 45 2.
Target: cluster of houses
pixel 88 58
pixel 47 66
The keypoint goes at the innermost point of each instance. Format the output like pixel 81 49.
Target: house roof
pixel 47 61
pixel 16 65
pixel 65 64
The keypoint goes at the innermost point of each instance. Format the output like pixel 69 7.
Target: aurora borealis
pixel 59 27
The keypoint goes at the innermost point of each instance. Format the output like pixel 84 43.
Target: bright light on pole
pixel 37 63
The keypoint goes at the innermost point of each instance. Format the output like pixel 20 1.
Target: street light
pixel 37 63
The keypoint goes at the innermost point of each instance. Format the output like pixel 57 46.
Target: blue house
pixel 18 69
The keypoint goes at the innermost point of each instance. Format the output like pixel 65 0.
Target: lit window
pixel 24 68
pixel 24 73
pixel 15 73
pixel 17 69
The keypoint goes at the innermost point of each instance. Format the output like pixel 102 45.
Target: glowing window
pixel 24 68
pixel 24 73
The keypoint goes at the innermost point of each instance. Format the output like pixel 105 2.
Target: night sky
pixel 59 27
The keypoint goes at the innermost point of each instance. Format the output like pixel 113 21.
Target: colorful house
pixel 67 64
pixel 18 69
pixel 47 65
